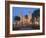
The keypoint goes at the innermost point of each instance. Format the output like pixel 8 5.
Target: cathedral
pixel 25 20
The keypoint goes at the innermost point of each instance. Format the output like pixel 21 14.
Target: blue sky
pixel 23 10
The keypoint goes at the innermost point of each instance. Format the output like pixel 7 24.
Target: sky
pixel 23 10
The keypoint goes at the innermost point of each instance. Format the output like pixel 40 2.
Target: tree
pixel 36 13
pixel 17 18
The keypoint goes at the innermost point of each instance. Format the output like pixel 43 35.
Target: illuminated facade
pixel 23 20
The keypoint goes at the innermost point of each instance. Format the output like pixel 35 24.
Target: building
pixel 27 19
